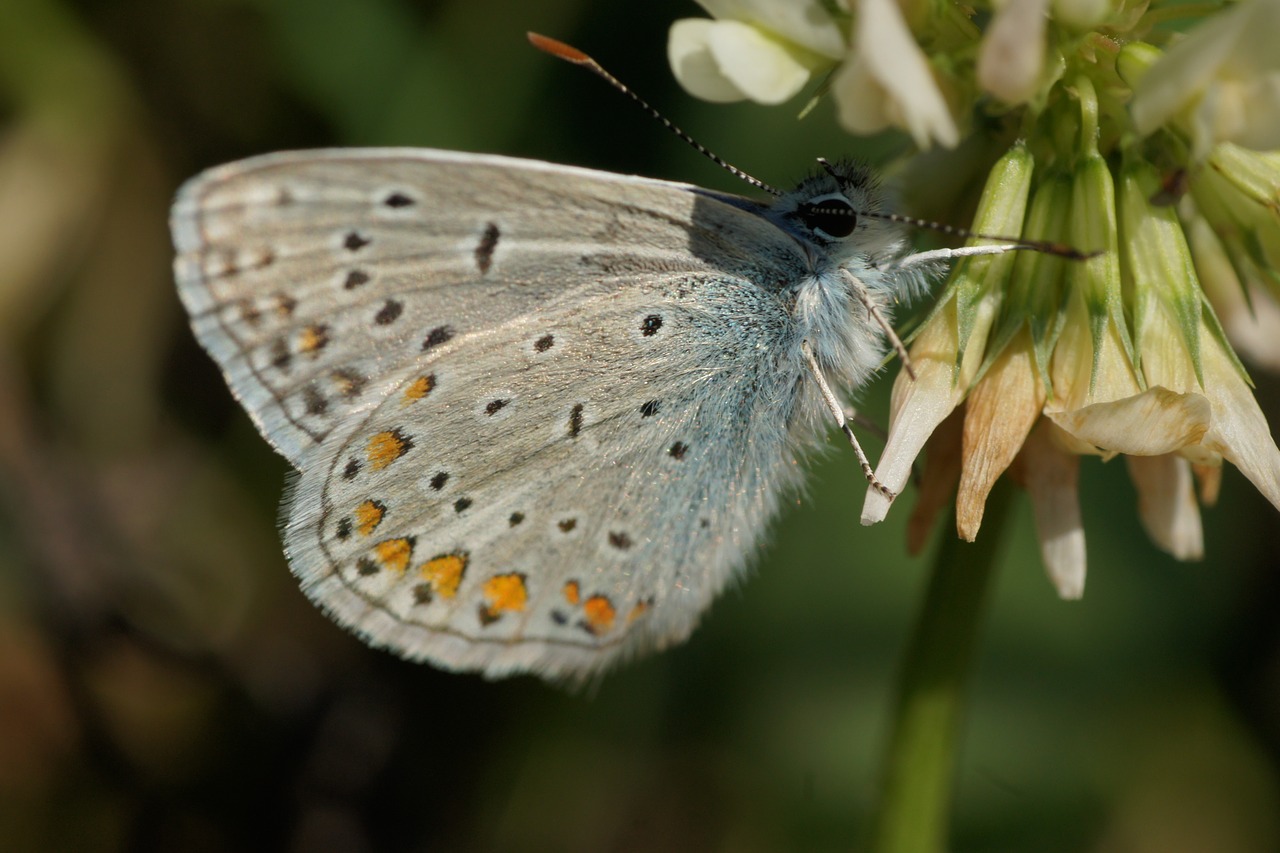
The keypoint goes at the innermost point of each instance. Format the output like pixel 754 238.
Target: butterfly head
pixel 837 208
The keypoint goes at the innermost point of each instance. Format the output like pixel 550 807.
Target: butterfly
pixel 541 415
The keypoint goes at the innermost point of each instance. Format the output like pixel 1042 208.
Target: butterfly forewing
pixel 513 391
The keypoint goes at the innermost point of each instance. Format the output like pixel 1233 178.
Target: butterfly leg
pixel 931 256
pixel 833 406
pixel 859 290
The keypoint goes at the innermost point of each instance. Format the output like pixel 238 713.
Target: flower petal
pixel 1013 49
pixel 695 68
pixel 1000 412
pixel 1252 324
pixel 1051 477
pixel 1167 504
pixel 1076 383
pixel 889 81
pixel 1184 71
pixel 1246 112
pixel 1151 423
pixel 1219 82
pixel 1209 478
pixel 938 481
pixel 805 23
pixel 918 406
pixel 760 66
pixel 1240 432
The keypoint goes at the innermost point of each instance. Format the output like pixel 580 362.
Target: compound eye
pixel 830 217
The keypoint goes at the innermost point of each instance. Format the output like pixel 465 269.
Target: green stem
pixel 919 766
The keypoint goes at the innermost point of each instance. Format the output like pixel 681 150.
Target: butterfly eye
pixel 830 217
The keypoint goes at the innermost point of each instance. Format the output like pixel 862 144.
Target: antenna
pixel 1048 247
pixel 571 54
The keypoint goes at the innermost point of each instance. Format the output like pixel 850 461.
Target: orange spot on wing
pixel 503 594
pixel 444 573
pixel 419 388
pixel 598 614
pixel 572 593
pixel 368 516
pixel 394 553
pixel 386 447
pixel 313 338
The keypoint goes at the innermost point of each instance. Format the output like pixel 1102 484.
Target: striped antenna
pixel 571 54
pixel 1048 247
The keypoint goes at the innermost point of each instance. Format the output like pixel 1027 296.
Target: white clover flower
pixel 1220 83
pixel 754 49
pixel 768 50
pixel 1115 135
pixel 1030 363
pixel 1232 214
pixel 888 82
pixel 1131 362
pixel 1013 51
pixel 1249 313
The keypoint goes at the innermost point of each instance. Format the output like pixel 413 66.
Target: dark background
pixel 164 685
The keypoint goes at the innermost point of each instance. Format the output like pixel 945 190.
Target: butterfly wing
pixel 541 413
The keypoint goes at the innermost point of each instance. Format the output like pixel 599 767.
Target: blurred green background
pixel 165 686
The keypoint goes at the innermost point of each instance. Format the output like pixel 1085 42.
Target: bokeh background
pixel 165 686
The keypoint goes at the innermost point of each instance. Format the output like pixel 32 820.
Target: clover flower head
pixel 1043 361
pixel 1149 148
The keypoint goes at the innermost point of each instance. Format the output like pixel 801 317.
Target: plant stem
pixel 919 766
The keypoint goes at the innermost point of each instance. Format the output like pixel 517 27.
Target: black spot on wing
pixel 485 248
pixel 650 325
pixel 437 336
pixel 388 313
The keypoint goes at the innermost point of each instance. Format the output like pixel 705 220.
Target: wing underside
pixel 540 413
